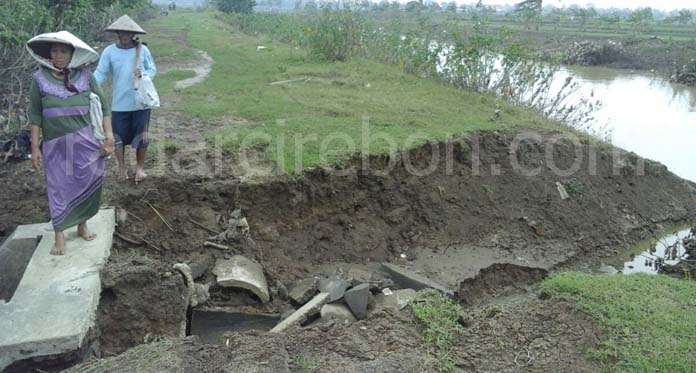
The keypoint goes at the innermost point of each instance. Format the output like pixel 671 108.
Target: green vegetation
pixel 318 111
pixel 235 6
pixel 651 319
pixel 439 316
pixel 170 146
pixel 22 19
pixel 166 81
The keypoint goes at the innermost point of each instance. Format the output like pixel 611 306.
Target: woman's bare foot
pixel 59 244
pixel 140 175
pixel 83 232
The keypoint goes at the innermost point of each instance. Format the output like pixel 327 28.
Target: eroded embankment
pixel 474 203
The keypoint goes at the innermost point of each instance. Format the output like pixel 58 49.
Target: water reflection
pixel 651 252
pixel 646 114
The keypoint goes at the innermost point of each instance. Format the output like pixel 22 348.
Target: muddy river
pixel 646 114
pixel 655 119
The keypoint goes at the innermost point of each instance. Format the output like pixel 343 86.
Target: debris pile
pixel 687 263
pixel 590 53
pixel 686 75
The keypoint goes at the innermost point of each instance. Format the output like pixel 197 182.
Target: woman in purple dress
pixel 59 114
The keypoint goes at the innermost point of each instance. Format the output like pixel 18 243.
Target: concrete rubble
pixel 357 299
pixel 338 312
pixel 334 286
pixel 411 280
pixel 309 309
pixel 241 272
pixel 302 291
pixel 396 300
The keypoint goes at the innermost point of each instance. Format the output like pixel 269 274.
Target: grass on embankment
pixel 298 122
pixel 651 319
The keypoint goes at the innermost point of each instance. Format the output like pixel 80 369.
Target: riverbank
pixel 477 191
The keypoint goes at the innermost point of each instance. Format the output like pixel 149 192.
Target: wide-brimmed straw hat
pixel 39 47
pixel 125 23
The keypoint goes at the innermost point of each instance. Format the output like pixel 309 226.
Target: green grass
pixel 166 81
pixel 321 121
pixel 651 319
pixel 439 316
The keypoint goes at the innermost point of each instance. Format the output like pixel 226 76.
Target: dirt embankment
pixel 644 53
pixel 471 206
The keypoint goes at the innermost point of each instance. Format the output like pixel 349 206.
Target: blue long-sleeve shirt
pixel 119 64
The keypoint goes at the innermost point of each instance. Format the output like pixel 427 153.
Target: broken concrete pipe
pixel 241 272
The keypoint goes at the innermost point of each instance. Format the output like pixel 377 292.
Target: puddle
pixel 15 255
pixel 647 255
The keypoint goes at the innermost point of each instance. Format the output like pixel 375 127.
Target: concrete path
pixel 56 300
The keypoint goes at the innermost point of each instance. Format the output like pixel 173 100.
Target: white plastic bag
pixel 146 96
pixel 96 116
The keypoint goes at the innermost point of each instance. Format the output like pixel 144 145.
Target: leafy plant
pixel 439 316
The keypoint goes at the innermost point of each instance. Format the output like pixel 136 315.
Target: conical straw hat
pixel 39 48
pixel 126 23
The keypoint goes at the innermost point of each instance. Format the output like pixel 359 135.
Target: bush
pixel 235 6
pixel 335 35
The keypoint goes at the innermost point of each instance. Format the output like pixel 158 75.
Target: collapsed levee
pixel 489 189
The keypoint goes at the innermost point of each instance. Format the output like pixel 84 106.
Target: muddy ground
pixel 447 226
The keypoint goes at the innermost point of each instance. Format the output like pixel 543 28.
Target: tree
pixel 415 6
pixel 684 17
pixel 235 6
pixel 583 15
pixel 611 19
pixel 530 11
pixel 451 7
pixel 641 18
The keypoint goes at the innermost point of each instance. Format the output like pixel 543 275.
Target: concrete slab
pixel 310 308
pixel 55 303
pixel 338 312
pixel 302 291
pixel 357 299
pixel 411 280
pixel 396 300
pixel 241 272
pixel 335 286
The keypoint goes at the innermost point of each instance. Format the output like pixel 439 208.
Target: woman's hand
pixel 36 159
pixel 108 146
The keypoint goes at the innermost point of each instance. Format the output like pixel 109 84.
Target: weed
pixel 650 318
pixel 170 146
pixel 306 364
pixel 439 316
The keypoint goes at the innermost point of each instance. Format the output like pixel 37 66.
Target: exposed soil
pixel 521 334
pixel 140 300
pixel 302 225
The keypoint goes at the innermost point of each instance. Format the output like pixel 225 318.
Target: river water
pixel 655 119
pixel 646 114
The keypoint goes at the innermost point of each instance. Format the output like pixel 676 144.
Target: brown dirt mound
pixel 525 335
pixel 139 300
pixel 497 279
pixel 528 335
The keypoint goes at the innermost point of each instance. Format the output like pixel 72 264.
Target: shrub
pixel 235 6
pixel 335 35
